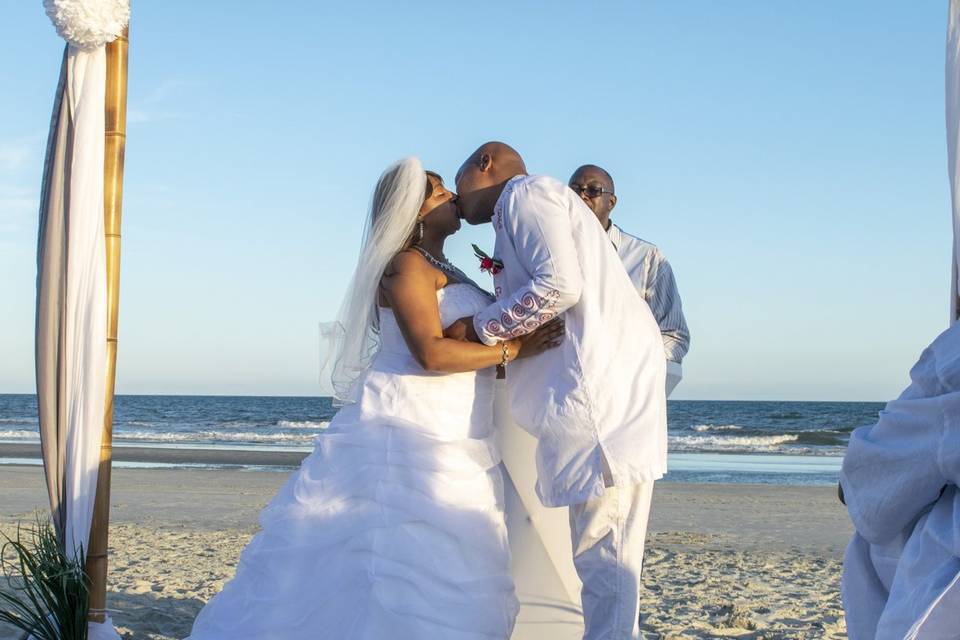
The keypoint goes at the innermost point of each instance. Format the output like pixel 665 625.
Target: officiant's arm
pixel 410 288
pixel 539 225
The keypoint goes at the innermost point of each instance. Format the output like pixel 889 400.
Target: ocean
pixel 709 441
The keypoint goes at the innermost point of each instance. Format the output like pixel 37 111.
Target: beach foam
pixel 303 424
pixel 700 428
pixel 19 434
pixel 214 437
pixel 729 443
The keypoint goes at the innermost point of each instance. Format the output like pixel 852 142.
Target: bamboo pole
pixel 114 145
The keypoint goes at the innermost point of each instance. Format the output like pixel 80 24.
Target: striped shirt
pixel 652 276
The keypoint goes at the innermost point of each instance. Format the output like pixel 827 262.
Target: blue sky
pixel 788 158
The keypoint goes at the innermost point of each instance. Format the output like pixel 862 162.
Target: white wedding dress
pixel 393 528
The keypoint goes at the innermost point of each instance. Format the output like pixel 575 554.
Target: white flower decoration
pixel 88 24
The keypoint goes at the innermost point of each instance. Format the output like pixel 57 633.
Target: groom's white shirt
pixel 600 395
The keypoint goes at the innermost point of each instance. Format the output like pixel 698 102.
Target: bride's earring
pixel 420 232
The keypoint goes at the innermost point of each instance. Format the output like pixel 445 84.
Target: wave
pixel 822 438
pixel 19 434
pixel 303 424
pixel 232 424
pixel 730 443
pixel 213 436
pixel 700 428
pixel 243 424
pixel 787 415
pixel 31 421
pixel 757 437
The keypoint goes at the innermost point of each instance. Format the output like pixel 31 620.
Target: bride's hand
pixel 462 330
pixel 546 337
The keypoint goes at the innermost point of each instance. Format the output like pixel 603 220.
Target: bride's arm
pixel 410 286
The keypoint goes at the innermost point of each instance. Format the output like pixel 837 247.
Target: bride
pixel 393 527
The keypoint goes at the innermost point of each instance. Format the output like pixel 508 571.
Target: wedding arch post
pixel 115 112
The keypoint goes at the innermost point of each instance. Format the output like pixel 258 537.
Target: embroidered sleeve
pixel 537 221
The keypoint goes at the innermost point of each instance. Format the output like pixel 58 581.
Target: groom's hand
pixel 462 330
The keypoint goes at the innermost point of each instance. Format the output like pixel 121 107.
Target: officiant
pixel 648 268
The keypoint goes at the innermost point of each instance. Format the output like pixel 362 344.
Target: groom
pixel 597 403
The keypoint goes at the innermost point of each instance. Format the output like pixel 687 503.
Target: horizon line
pixel 256 395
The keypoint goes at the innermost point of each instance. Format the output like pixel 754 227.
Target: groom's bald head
pixel 502 157
pixel 481 179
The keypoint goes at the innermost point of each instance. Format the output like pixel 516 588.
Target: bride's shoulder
pixel 409 263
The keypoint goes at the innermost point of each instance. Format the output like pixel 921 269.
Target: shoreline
pixel 685 468
pixel 270 455
pixel 235 456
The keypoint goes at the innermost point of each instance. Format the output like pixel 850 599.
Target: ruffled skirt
pixel 383 533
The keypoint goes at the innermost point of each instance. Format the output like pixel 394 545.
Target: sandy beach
pixel 723 561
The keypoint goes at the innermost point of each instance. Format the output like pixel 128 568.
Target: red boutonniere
pixel 488 264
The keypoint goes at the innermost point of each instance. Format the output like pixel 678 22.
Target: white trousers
pixel 608 535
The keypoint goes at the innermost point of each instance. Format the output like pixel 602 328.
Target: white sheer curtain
pixel 86 293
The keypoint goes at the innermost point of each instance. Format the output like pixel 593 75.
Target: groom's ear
pixel 484 162
pixel 613 201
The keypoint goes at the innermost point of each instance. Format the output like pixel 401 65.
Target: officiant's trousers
pixel 608 535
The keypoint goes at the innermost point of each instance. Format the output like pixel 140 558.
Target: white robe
pixel 598 399
pixel 902 569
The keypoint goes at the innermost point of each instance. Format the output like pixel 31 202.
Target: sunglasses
pixel 593 190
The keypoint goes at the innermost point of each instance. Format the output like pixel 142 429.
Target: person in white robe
pixel 597 404
pixel 646 265
pixel 901 572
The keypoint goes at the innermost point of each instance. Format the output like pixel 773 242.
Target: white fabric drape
pixel 901 572
pixel 72 302
pixel 86 293
pixel 953 142
pixel 102 630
